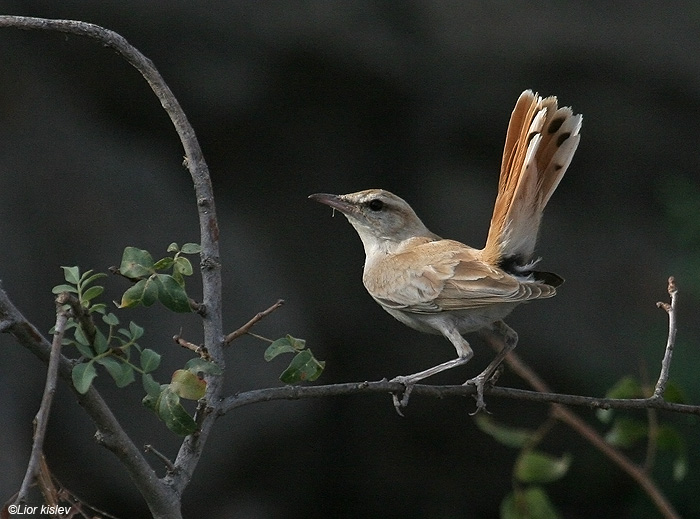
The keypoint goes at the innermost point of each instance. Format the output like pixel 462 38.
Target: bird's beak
pixel 335 201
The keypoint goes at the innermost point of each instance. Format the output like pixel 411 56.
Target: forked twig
pixel 247 326
pixel 42 416
pixel 671 341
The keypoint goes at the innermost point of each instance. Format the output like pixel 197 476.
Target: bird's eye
pixel 376 205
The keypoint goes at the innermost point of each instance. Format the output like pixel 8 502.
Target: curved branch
pixel 192 447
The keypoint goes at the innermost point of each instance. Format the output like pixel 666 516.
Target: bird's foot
pixel 480 382
pixel 401 399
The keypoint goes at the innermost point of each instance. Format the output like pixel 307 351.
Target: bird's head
pixel 381 218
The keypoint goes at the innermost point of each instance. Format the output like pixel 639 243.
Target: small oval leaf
pixel 188 385
pixel 538 467
pixel 136 263
pixel 199 365
pixel 191 248
pixel 150 360
pixel 304 367
pixel 71 274
pixel 174 416
pixel 171 294
pixel 83 375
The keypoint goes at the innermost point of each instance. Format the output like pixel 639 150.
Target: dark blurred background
pixel 291 98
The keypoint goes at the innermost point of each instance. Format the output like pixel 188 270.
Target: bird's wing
pixel 445 275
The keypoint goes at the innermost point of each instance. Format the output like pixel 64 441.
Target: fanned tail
pixel 540 144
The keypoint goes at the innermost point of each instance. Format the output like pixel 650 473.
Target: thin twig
pixel 247 326
pixel 200 349
pixel 586 431
pixel 42 416
pixel 671 341
pixel 162 457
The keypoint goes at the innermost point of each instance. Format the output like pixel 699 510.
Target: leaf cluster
pixel 533 469
pixel 150 285
pixel 627 432
pixel 303 367
pixel 115 348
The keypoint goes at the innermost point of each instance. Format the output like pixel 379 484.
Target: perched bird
pixel 442 286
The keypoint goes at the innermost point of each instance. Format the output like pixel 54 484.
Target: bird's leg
pixel 464 353
pixel 510 340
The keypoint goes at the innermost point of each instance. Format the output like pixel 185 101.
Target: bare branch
pixel 162 501
pixel 247 326
pixel 42 416
pixel 386 387
pixel 671 341
pixel 200 350
pixel 162 457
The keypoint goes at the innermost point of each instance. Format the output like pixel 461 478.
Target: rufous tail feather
pixel 540 143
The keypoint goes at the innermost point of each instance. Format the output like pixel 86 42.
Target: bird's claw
pixel 400 403
pixel 480 383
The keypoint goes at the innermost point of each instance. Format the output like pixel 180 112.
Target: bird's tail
pixel 540 144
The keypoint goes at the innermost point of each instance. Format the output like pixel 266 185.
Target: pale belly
pixel 463 320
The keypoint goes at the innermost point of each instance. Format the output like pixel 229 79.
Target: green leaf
pixel 83 375
pixel 71 274
pixel 122 373
pixel 101 345
pixel 85 350
pixel 85 282
pixel 182 266
pixel 627 387
pixel 144 292
pixel 191 248
pixel 286 344
pixel 282 345
pixel 626 432
pixel 150 385
pixel 135 330
pixel 680 468
pixel 504 434
pixel 80 337
pixel 674 393
pixel 188 385
pixel 136 263
pixel 64 288
pixel 171 294
pixel 164 263
pixel 528 503
pixel 110 319
pixel 150 360
pixel 302 368
pixel 92 293
pixel 199 365
pixel 174 416
pixel 173 247
pixel 100 308
pixel 538 467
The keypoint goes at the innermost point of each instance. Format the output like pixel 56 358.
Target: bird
pixel 442 286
